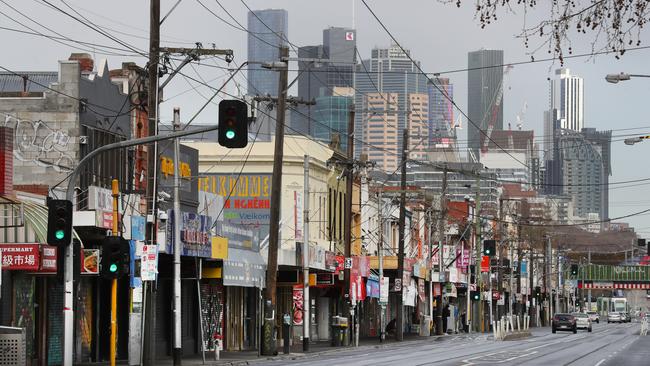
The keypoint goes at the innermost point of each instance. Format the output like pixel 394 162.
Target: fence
pixel 507 325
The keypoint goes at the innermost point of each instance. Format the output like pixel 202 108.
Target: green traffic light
pixel 230 134
pixel 113 268
pixel 59 234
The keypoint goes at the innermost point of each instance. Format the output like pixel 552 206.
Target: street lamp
pixel 634 140
pixel 615 78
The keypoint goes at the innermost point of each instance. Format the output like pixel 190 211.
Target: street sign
pixel 485 263
pixel 348 263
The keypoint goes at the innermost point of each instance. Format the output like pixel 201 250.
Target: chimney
pixel 86 62
pixel 6 161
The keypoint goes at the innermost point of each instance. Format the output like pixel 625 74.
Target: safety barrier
pixel 506 325
pixel 644 326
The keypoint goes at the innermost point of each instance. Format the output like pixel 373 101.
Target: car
pixel 594 316
pixel 614 317
pixel 625 317
pixel 563 321
pixel 583 321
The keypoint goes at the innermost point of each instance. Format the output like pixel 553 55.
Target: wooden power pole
pixel 399 326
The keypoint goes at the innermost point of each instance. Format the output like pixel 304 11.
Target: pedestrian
pixel 445 315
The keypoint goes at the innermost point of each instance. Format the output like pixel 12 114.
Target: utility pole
pixel 547 279
pixel 306 324
pixel 531 297
pixel 441 264
pixel 349 308
pixel 399 326
pixel 269 343
pixel 115 232
pixel 149 316
pixel 429 256
pixel 178 216
pixel 589 290
pixel 477 236
pixel 380 255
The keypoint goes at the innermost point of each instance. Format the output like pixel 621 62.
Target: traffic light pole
pixel 116 231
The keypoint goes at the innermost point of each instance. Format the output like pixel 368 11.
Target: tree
pixel 612 25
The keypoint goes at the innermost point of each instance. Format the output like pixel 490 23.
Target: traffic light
pixel 489 247
pixel 115 257
pixel 574 270
pixel 59 222
pixel 538 291
pixel 475 295
pixel 233 124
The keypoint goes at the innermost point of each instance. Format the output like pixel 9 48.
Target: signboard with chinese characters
pixel 48 259
pixel 100 198
pixel 20 257
pixel 463 257
pixel 383 290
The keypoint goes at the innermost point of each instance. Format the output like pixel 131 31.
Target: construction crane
pixel 496 103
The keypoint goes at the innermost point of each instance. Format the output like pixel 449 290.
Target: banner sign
pixel 138 224
pixel 463 257
pixel 149 262
pixel 20 257
pixel 383 290
pixel 298 305
pixel 195 234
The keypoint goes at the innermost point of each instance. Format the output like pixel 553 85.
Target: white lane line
pixel 600 362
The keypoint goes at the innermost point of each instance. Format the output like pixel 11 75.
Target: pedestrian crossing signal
pixel 574 269
pixel 233 124
pixel 475 295
pixel 489 247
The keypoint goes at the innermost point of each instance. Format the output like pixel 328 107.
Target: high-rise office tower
pixel 441 111
pixel 327 70
pixel 566 108
pixel 386 86
pixel 263 45
pixel 484 95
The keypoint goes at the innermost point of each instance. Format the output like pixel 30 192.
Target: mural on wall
pixel 37 142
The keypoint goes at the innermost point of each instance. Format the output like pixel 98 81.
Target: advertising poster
pixel 298 303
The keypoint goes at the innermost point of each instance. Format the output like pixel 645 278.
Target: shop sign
pixel 462 255
pixel 20 257
pixel 298 305
pixel 348 263
pixel 446 254
pixel 496 295
pixel 372 287
pixel 421 289
pixel 324 279
pixel 195 234
pixel 297 215
pixel 485 264
pixel 453 274
pixel 316 257
pixel 436 289
pixel 90 261
pixel 383 290
pixel 398 285
pixel 104 219
pixel 100 199
pixel 138 225
pixel 48 260
pixel 330 261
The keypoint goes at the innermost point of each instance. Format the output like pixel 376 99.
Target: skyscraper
pixel 484 95
pixel 385 87
pixel 263 45
pixel 319 79
pixel 441 110
pixel 567 97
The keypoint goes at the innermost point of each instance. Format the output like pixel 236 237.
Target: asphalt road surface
pixel 607 345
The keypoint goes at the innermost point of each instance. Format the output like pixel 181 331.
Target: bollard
pixel 518 324
pixel 494 331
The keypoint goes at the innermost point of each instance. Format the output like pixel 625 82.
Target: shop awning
pixel 244 268
pixel 34 229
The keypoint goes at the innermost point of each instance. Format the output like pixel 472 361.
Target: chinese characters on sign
pixel 24 257
pixel 149 262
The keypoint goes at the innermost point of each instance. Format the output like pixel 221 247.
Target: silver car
pixel 614 317
pixel 583 321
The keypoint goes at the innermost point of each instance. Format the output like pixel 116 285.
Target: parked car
pixel 594 316
pixel 583 321
pixel 564 322
pixel 614 317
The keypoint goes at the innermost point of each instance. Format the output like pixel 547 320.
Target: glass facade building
pixel 263 46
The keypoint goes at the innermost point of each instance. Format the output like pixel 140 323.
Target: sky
pixel 438 34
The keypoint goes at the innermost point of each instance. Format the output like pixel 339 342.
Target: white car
pixel 583 321
pixel 614 317
pixel 594 316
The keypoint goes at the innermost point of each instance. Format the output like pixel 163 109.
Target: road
pixel 608 344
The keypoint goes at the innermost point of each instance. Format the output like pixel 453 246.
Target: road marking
pixel 600 362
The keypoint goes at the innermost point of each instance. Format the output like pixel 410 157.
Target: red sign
pixel 25 257
pixel 48 261
pixel 496 295
pixel 340 264
pixel 485 263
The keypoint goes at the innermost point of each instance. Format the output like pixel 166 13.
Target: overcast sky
pixel 439 35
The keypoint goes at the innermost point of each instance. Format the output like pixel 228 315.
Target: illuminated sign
pixel 167 168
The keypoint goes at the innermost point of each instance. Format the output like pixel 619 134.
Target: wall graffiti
pixel 37 142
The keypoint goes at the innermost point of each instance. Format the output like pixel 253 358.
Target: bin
pixel 12 346
pixel 339 330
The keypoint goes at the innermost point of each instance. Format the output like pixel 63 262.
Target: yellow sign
pixel 243 186
pixel 211 273
pixel 219 247
pixel 167 168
